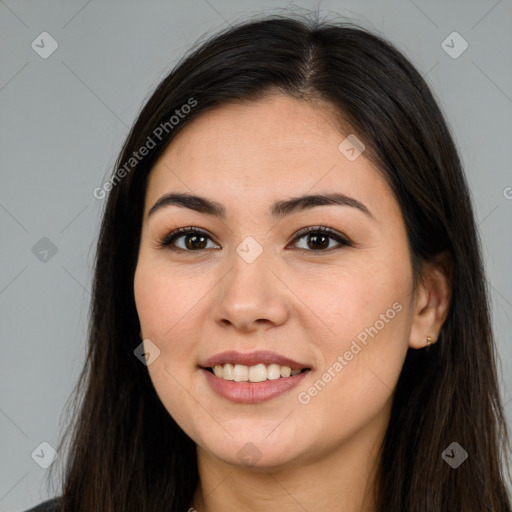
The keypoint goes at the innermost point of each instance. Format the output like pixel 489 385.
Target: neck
pixel 342 479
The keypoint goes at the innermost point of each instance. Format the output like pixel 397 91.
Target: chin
pixel 256 449
pixel 252 458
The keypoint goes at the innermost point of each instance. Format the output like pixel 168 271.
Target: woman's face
pixel 252 294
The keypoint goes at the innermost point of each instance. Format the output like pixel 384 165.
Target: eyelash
pixel 181 232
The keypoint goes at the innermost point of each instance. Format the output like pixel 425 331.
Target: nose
pixel 251 295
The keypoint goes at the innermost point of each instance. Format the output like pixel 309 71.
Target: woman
pixel 289 307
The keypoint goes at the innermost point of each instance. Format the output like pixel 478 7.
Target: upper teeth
pixel 257 373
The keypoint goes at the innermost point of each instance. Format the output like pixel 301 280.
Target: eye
pixel 195 239
pixel 318 239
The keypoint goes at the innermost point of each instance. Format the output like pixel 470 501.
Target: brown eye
pixel 193 239
pixel 319 237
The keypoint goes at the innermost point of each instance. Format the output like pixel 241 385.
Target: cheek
pixel 362 298
pixel 361 367
pixel 165 310
pixel 165 302
pixel 366 313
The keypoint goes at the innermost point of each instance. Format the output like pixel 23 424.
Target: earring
pixel 429 342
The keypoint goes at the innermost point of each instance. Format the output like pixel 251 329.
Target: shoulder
pixel 52 505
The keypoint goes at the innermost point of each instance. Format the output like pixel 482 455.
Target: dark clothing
pixel 52 505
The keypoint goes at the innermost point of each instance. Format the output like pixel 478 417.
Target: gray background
pixel 65 117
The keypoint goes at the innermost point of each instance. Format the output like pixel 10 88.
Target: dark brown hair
pixel 126 453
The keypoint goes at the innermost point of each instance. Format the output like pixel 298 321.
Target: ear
pixel 432 301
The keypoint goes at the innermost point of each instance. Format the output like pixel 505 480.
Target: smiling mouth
pixel 256 373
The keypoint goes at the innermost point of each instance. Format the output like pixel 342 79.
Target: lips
pixel 253 358
pixel 252 392
pixel 236 390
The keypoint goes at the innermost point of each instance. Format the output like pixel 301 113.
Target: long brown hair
pixel 126 453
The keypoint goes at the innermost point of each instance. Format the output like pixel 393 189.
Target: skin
pixel 309 306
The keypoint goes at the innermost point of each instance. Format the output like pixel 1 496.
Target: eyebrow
pixel 278 210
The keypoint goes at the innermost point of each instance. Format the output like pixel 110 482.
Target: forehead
pixel 261 151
